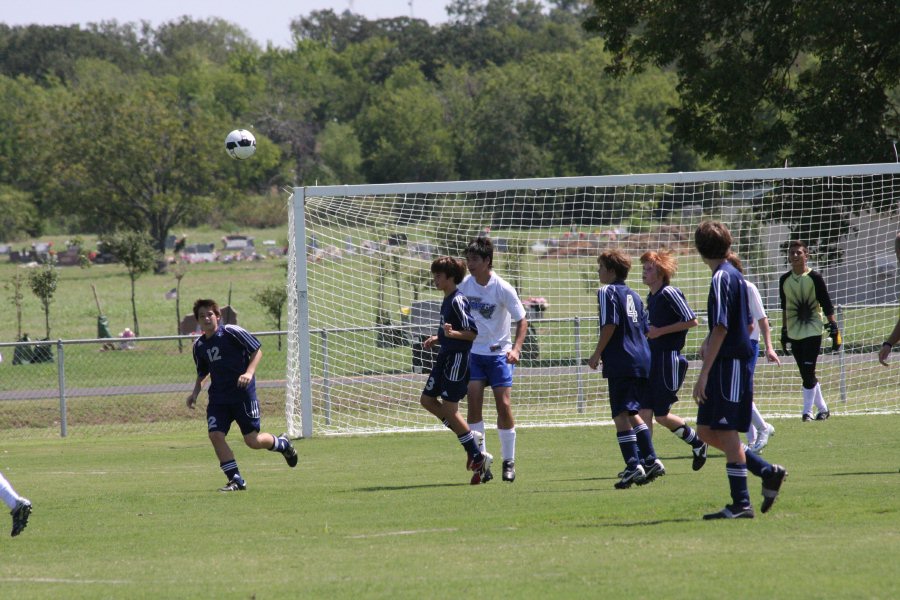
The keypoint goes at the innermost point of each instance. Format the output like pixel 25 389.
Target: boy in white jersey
pixel 495 305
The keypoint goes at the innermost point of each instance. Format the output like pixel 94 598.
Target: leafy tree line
pixel 117 126
pixel 120 126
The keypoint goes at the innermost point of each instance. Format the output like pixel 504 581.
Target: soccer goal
pixel 361 301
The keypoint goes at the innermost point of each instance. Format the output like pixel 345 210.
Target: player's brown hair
pixel 713 240
pixel 208 303
pixel 449 266
pixel 664 261
pixel 735 261
pixel 616 261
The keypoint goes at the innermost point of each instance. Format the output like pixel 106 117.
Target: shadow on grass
pixel 857 473
pixel 401 488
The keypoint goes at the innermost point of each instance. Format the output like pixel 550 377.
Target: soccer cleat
pixel 771 485
pixel 20 515
pixel 479 441
pixel 762 439
pixel 237 484
pixel 289 453
pixel 509 470
pixel 807 417
pixel 731 511
pixel 487 476
pixel 480 468
pixel 651 472
pixel 629 476
pixel 823 415
pixel 700 456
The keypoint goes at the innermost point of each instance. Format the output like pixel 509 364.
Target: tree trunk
pixel 137 331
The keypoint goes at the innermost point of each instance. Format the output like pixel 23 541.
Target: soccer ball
pixel 240 144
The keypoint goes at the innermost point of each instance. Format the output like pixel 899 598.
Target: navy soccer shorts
pixel 246 414
pixel 667 371
pixel 449 378
pixel 729 396
pixel 625 394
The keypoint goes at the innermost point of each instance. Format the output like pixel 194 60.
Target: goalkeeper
pixel 805 308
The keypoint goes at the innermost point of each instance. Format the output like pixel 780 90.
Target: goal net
pixel 361 300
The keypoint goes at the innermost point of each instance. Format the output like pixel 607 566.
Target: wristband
pixel 888 344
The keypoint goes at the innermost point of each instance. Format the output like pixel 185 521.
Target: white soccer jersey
pixel 494 307
pixel 757 311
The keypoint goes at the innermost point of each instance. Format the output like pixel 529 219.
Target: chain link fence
pixel 99 387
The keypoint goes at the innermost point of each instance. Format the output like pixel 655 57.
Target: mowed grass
pixel 393 516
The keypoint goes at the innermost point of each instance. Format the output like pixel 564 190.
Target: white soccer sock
pixel 7 493
pixel 756 417
pixel 819 400
pixel 479 427
pixel 507 443
pixel 808 398
pixel 751 435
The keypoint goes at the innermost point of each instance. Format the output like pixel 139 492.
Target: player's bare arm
pixel 512 357
pixel 606 334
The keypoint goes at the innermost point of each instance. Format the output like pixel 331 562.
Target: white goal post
pixel 360 299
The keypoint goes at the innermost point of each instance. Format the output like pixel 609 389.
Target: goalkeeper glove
pixel 836 340
pixel 785 340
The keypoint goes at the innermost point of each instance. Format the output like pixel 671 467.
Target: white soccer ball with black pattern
pixel 240 144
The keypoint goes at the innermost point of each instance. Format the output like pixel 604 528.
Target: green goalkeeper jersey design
pixel 805 304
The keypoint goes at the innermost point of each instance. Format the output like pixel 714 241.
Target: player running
pixel 449 377
pixel 229 355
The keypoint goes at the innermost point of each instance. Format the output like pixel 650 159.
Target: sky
pixel 264 20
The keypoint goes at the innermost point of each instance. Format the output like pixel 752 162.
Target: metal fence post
pixel 61 377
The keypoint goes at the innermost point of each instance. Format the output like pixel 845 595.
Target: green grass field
pixel 393 516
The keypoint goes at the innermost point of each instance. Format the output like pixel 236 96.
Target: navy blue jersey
pixel 667 307
pixel 627 353
pixel 455 310
pixel 728 306
pixel 225 356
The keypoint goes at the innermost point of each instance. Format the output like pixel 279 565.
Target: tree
pixel 273 298
pixel 761 82
pixel 135 250
pixel 15 286
pixel 43 281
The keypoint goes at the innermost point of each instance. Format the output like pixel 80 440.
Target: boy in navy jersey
pixel 670 317
pixel 449 377
pixel 229 355
pixel 724 388
pixel 623 350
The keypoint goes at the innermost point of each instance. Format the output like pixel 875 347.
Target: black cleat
pixel 289 453
pixel 487 476
pixel 732 511
pixel 20 515
pixel 509 470
pixel 823 415
pixel 651 472
pixel 771 485
pixel 630 475
pixel 807 417
pixel 700 456
pixel 237 484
